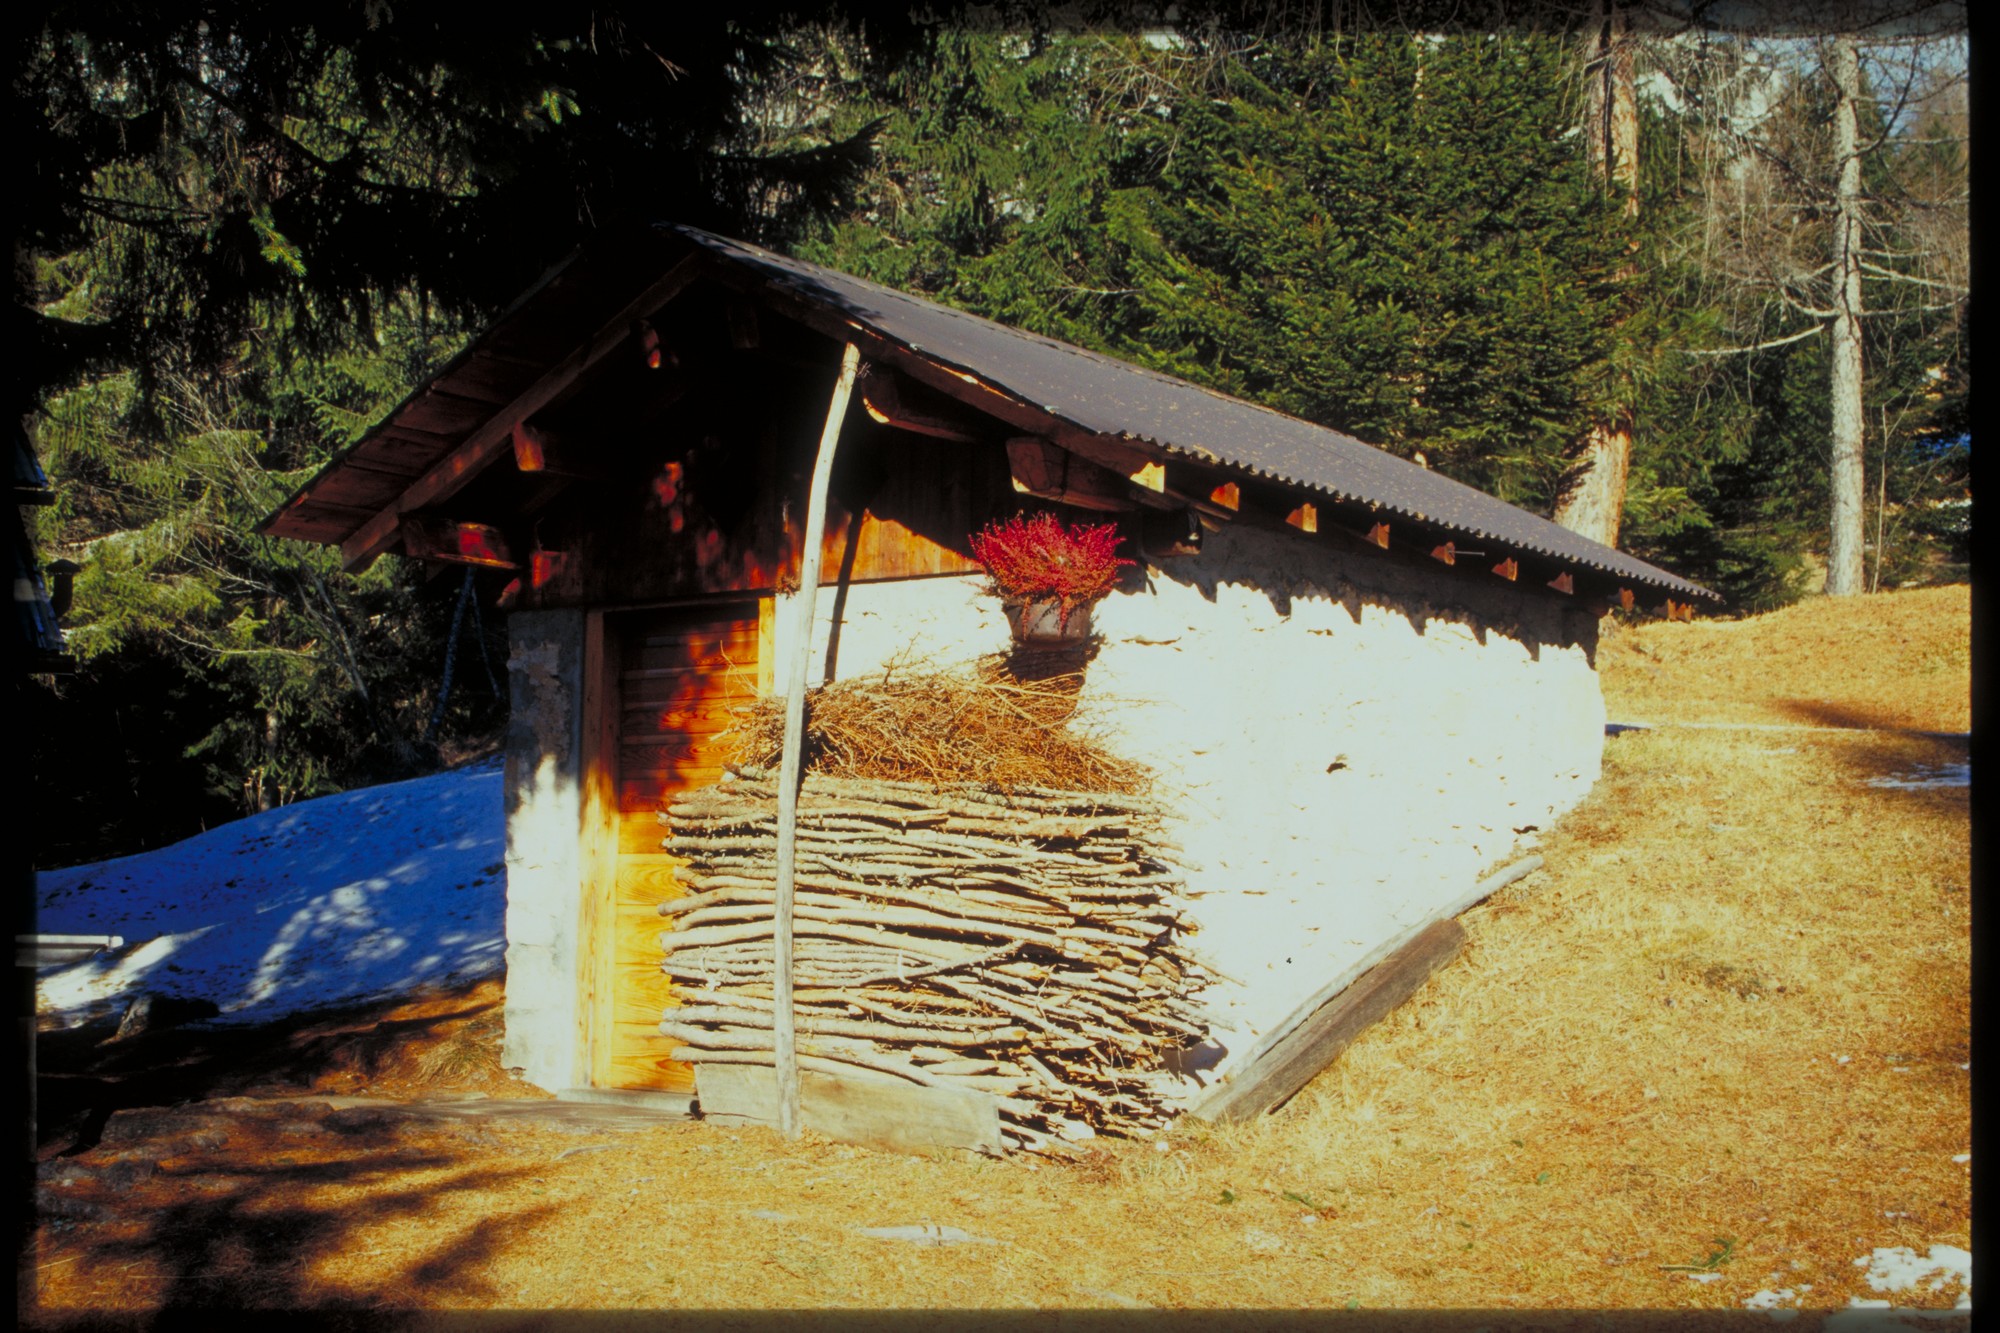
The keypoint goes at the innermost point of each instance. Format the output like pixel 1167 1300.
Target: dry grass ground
pixel 1899 660
pixel 1726 1029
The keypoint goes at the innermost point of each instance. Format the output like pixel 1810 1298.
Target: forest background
pixel 1699 290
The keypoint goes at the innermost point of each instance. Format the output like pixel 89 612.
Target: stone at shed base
pixel 149 1012
pixel 876 1113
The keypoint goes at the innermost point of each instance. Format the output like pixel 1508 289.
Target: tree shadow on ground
pixel 84 1077
pixel 1881 752
pixel 269 1207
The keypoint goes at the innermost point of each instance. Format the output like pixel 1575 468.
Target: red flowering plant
pixel 1039 560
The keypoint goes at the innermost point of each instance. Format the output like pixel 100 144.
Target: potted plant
pixel 1048 575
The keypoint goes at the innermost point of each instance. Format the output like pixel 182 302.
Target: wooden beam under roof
pixel 1049 472
pixel 538 449
pixel 449 541
pixel 884 400
pixel 495 438
pixel 1130 460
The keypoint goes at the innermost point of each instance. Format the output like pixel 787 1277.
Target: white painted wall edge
pixel 1479 892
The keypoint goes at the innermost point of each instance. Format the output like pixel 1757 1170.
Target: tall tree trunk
pixel 1591 498
pixel 1844 568
pixel 267 769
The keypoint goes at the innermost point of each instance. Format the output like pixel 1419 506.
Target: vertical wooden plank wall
pixel 670 681
pixel 599 764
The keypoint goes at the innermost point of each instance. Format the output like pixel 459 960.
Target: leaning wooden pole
pixel 789 774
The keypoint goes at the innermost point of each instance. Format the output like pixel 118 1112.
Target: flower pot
pixel 1040 624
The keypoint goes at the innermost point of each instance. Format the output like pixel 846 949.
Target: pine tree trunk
pixel 267 779
pixel 1591 499
pixel 1844 567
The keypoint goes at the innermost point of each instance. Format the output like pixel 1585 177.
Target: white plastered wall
pixel 1349 742
pixel 544 848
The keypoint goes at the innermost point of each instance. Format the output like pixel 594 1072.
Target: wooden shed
pixel 1362 682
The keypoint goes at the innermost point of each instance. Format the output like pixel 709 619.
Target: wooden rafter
pixel 486 444
pixel 540 450
pixel 884 400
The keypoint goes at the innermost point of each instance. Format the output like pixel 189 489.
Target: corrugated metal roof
pixel 1105 396
pixel 1092 394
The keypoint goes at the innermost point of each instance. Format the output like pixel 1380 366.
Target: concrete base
pixel 640 1099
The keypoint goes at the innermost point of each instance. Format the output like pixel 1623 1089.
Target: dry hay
pixel 1588 1098
pixel 1893 660
pixel 1006 722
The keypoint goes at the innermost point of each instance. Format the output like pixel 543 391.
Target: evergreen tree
pixel 1397 237
pixel 1004 160
pixel 255 227
pixel 1390 235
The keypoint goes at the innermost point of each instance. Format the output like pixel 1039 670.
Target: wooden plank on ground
pixel 1270 1081
pixel 883 1112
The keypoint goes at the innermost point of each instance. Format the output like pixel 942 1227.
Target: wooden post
pixel 789 776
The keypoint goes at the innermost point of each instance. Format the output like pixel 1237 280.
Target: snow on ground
pixel 1890 1269
pixel 345 898
pixel 1899 1268
pixel 1926 776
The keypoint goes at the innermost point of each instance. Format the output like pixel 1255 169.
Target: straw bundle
pixel 1007 720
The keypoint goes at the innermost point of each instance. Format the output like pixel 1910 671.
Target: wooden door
pixel 672 680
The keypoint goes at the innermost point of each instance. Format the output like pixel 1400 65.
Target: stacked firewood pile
pixel 1027 944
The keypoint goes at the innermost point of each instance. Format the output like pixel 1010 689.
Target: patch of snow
pixel 1899 1268
pixel 1927 776
pixel 1962 1158
pixel 1771 1300
pixel 337 900
pixel 928 1233
pixel 1702 1277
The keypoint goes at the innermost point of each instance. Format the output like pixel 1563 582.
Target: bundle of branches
pixel 995 724
pixel 1027 944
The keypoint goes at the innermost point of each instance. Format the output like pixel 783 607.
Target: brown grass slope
pixel 1898 660
pixel 1725 1030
